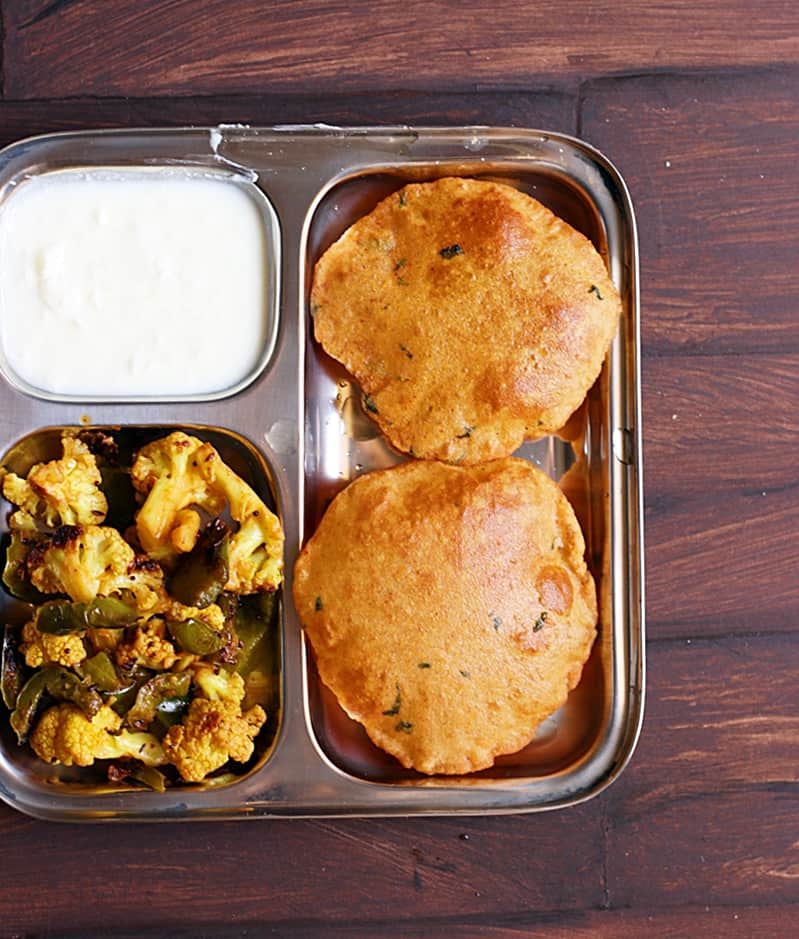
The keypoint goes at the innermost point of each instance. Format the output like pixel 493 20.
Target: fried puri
pixel 470 315
pixel 449 608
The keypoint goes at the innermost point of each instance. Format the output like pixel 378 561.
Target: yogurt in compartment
pixel 133 284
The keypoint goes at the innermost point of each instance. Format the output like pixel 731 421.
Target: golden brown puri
pixel 471 316
pixel 449 608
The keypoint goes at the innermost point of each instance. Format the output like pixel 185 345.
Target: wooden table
pixel 698 105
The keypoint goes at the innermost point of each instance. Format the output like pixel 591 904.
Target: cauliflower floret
pixel 170 473
pixel 62 492
pixel 219 685
pixel 148 647
pixel 95 561
pixel 43 648
pixel 179 472
pixel 66 735
pixel 255 551
pixel 212 733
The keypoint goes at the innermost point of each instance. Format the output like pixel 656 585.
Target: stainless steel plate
pixel 299 430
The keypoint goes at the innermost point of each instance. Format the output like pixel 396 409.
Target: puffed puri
pixel 450 609
pixel 471 316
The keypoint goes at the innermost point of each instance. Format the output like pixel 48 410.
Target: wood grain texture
pixel 737 848
pixel 722 564
pixel 58 48
pixel 711 164
pixel 720 719
pixel 712 167
pixel 719 425
pixel 707 811
pixel 708 920
pixel 721 482
pixel 100 879
pixel 545 110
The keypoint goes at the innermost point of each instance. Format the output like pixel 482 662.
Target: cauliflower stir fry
pixel 136 658
pixel 255 553
pixel 44 648
pixel 215 729
pixel 171 473
pixel 147 647
pixel 66 735
pixel 95 561
pixel 180 475
pixel 61 492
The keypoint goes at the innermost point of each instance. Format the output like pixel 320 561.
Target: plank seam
pixel 704 72
pixel 279 94
pixel 703 638
pixel 604 822
pixel 786 350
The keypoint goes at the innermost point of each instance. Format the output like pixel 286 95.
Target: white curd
pixel 132 284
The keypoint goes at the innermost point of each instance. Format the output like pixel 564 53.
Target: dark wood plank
pixel 720 478
pixel 707 810
pixel 116 47
pixel 731 922
pixel 707 920
pixel 734 848
pixel 711 164
pixel 723 563
pixel 720 718
pixel 546 110
pixel 720 424
pixel 95 879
